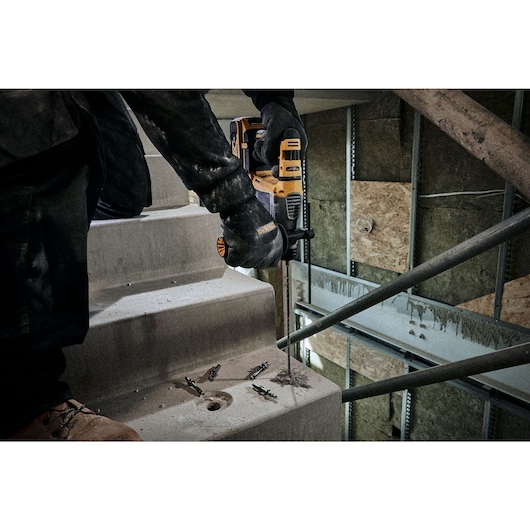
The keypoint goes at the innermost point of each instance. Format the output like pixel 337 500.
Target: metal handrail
pixel 489 362
pixel 464 251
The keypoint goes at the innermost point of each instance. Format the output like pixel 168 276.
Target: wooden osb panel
pixel 329 344
pixel 515 303
pixel 482 305
pixel 364 360
pixel 380 224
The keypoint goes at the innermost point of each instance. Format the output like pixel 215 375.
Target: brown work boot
pixel 73 421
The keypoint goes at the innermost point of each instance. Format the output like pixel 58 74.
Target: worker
pixel 56 149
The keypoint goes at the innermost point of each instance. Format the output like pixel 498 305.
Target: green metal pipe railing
pixel 489 362
pixel 468 249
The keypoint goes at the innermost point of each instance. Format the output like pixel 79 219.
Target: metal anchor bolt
pixel 263 391
pixel 213 372
pixel 260 369
pixel 191 383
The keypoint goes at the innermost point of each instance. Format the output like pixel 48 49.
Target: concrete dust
pixel 294 378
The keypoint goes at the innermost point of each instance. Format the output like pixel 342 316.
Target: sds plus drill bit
pixel 287 279
pixel 191 383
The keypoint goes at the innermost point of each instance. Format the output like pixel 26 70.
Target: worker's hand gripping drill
pixel 251 238
pixel 276 121
pixel 271 150
pixel 278 188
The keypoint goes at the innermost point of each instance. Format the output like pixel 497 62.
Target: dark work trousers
pixel 46 203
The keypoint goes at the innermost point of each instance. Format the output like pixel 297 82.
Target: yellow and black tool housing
pixel 278 188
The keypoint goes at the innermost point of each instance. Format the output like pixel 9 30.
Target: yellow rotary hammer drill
pixel 279 189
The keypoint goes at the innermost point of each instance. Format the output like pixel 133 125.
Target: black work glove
pixel 276 120
pixel 251 237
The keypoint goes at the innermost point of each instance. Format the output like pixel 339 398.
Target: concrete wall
pixel 383 147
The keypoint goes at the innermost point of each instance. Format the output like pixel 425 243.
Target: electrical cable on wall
pixel 454 193
pixel 479 194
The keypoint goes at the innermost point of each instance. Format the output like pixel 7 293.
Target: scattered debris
pixel 294 378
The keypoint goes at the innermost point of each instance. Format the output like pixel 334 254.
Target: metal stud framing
pixel 488 425
pixel 350 175
pixel 348 407
pixel 406 409
pixel 509 195
pixel 494 400
pixel 415 183
pixel 490 403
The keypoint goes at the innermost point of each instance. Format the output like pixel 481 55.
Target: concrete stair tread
pixel 163 306
pixel 141 338
pixel 231 408
pixel 141 299
pixel 160 244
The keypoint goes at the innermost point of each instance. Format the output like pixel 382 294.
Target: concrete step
pixel 175 244
pixel 230 407
pixel 146 338
pixel 146 334
pixel 164 306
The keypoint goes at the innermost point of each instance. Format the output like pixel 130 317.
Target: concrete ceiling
pixel 229 104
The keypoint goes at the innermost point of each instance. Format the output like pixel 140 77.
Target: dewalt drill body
pixel 279 188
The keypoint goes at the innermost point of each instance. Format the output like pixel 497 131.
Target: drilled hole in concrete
pixel 215 400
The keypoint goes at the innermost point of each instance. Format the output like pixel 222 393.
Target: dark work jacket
pixel 32 121
pixel 180 124
pixel 66 130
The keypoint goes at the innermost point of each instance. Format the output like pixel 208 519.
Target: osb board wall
pixel 380 224
pixel 515 307
pixel 364 360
